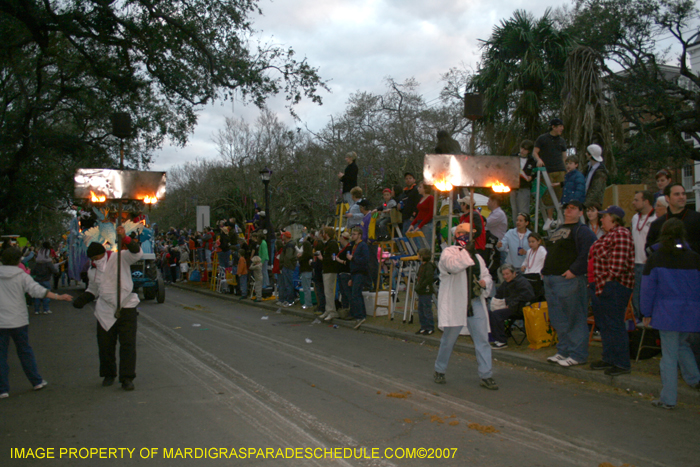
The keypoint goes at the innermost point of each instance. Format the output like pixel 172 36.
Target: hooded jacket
pixel 14 283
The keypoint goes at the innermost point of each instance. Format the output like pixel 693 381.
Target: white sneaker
pixel 567 362
pixel 547 224
pixel 4 395
pixel 333 315
pixel 556 358
pixel 41 385
pixel 324 315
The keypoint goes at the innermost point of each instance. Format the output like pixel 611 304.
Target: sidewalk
pixel 644 379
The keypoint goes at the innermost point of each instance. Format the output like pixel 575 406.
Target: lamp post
pixel 265 175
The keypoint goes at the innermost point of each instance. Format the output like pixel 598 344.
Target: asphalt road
pixel 215 377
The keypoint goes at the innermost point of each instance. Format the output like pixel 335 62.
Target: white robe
pixel 454 293
pixel 103 285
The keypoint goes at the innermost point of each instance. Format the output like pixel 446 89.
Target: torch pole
pixel 118 311
pixel 471 214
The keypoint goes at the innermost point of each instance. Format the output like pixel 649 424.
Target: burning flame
pixel 443 185
pixel 499 187
pixel 150 199
pixel 97 198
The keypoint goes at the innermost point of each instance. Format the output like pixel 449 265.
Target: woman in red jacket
pixel 424 214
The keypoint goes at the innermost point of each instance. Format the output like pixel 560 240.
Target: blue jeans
pixel 287 285
pixel 38 302
pixel 224 257
pixel 427 230
pixel 425 312
pixel 638 272
pixel 343 279
pixel 567 301
pixel 357 303
pixel 306 285
pixel 243 284
pixel 676 352
pixel 25 353
pixel 266 274
pixel 478 329
pixel 609 313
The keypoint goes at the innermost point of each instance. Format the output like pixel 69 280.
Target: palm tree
pixel 521 74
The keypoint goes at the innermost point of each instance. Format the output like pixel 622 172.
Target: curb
pixel 629 383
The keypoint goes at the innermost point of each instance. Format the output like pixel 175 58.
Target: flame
pixel 150 199
pixel 499 187
pixel 443 185
pixel 97 198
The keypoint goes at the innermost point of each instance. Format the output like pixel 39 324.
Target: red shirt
pixel 480 241
pixel 613 259
pixel 425 212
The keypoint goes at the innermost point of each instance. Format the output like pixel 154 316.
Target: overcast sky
pixel 356 44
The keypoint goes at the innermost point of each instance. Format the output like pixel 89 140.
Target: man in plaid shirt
pixel 611 280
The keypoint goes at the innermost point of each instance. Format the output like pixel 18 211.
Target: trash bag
pixel 539 332
pixel 195 276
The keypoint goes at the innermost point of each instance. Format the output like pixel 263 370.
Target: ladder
pixel 390 247
pixel 542 175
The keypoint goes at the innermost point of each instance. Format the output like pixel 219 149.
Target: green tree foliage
pixel 520 75
pixel 66 66
pixel 656 93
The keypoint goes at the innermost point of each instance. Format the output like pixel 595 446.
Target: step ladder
pixel 542 175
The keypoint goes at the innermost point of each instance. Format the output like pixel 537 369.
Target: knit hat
pixel 287 234
pixel 596 152
pixel 555 122
pixel 95 249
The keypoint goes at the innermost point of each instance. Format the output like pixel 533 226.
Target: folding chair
pixel 512 323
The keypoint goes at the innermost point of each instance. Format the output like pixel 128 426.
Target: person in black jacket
pixel 425 290
pixel 520 198
pixel 349 176
pixel 677 199
pixel 516 291
pixel 408 201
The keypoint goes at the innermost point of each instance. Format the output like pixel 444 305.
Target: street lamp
pixel 265 175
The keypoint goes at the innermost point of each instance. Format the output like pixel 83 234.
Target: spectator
pixel 306 270
pixel 208 244
pixel 593 219
pixel 43 271
pixel 359 268
pixel 408 201
pixel 388 203
pixel 515 242
pixel 611 280
pixel 596 175
pixel 264 254
pixel 288 262
pixel 663 179
pixel 14 319
pixel 317 266
pixel 424 214
pixel 457 265
pixel 574 182
pixel 671 303
pixel 497 222
pixel 225 253
pixel 425 290
pixel 373 268
pixel 242 272
pixel 564 279
pixel 328 253
pixel 344 275
pixel 550 152
pixel 660 207
pixel 676 199
pixel 516 291
pixel 641 221
pixel 349 176
pixel 520 198
pixel 277 265
pixel 257 270
pixel 354 215
pixel 534 260
pixel 115 321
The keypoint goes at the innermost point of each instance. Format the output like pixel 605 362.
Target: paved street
pixel 221 376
